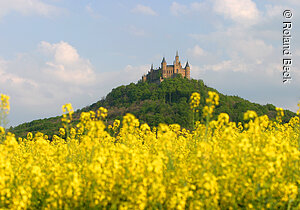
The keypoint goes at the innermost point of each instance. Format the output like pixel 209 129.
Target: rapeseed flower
pixel 5 103
pixel 102 113
pixel 194 101
pixel 218 165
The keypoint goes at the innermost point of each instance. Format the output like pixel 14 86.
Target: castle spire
pixel 164 60
pixel 177 58
pixel 187 64
pixel 151 66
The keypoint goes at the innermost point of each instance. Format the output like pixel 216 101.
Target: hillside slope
pixel 167 102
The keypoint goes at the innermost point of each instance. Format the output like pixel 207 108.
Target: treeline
pixel 153 103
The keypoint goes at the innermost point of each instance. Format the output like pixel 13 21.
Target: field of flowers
pixel 216 165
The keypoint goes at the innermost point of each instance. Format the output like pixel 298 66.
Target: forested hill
pixel 152 103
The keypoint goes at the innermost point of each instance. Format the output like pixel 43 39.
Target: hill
pixel 153 103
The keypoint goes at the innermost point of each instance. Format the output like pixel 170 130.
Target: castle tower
pixel 177 58
pixel 144 78
pixel 177 65
pixel 164 64
pixel 187 70
pixel 164 68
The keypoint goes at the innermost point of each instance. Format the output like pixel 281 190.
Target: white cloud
pixel 145 10
pixel 274 10
pixel 17 86
pixel 239 43
pixel 28 7
pixel 198 6
pixel 66 64
pixel 40 82
pixel 6 77
pixel 244 11
pixel 136 72
pixel 92 12
pixel 226 65
pixel 252 49
pixel 196 51
pixel 62 52
pixel 53 74
pixel 178 9
pixel 247 61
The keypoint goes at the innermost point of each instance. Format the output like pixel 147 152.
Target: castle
pixel 167 71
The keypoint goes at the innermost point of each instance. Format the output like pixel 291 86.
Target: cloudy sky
pixel 64 51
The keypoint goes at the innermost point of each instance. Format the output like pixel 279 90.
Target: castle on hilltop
pixel 167 71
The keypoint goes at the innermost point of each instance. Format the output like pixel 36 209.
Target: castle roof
pixel 187 64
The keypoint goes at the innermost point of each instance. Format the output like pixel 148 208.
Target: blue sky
pixel 61 51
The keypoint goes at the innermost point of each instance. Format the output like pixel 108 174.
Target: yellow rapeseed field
pixel 217 165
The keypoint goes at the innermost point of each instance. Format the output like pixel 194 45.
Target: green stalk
pixel 193 119
pixel 206 126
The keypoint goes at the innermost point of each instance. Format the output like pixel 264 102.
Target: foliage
pixel 158 103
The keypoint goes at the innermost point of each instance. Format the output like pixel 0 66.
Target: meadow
pixel 219 164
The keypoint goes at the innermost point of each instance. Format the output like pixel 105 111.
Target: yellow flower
pixel 5 103
pixel 280 111
pixel 68 109
pixel 116 124
pixel 194 101
pixel 208 110
pixel 280 114
pixel 250 115
pixel 93 115
pixel 85 117
pixel 223 117
pixel 218 165
pixel 72 132
pixel 102 113
pixel 145 127
pixel 62 132
pixel 29 136
pixel 213 98
pixel 2 130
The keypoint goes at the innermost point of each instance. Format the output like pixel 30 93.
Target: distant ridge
pixel 154 103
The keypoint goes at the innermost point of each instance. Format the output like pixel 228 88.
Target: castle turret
pixel 164 64
pixel 187 64
pixel 144 78
pixel 164 67
pixel 187 70
pixel 177 58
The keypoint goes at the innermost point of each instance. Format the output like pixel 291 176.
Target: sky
pixel 54 52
